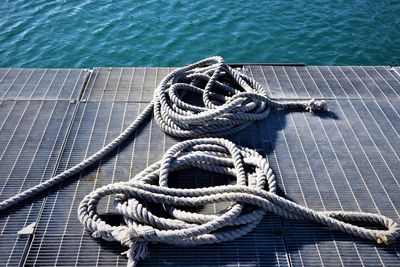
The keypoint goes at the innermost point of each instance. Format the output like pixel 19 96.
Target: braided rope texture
pixel 252 197
pixel 229 101
pixel 237 102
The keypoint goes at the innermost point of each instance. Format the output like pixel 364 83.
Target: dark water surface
pixel 171 33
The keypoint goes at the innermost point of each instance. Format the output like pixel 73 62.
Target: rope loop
pixel 227 101
pixel 250 201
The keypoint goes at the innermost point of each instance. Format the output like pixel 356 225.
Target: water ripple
pixel 170 33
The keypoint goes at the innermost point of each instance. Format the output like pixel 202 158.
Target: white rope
pixel 230 101
pixel 241 102
pixel 252 197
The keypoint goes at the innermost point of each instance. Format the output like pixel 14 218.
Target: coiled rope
pixel 228 107
pixel 230 101
pixel 252 196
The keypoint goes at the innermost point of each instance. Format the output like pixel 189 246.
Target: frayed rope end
pixel 382 239
pixel 136 252
pixel 314 105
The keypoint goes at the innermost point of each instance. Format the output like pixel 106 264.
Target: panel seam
pixel 83 88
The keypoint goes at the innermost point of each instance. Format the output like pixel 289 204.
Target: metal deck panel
pixel 124 84
pixel 41 84
pixel 347 159
pixel 336 82
pixel 31 136
pixel 32 132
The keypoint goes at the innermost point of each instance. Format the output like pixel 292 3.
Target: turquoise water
pixel 58 33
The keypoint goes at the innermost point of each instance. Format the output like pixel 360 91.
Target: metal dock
pixel 348 159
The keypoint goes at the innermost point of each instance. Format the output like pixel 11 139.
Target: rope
pixel 228 102
pixel 231 101
pixel 241 101
pixel 252 196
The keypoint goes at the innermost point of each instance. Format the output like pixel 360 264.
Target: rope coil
pixel 231 101
pixel 252 196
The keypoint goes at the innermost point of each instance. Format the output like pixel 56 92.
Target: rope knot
pixel 129 236
pixel 314 105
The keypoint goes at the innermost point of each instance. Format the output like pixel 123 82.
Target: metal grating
pixel 327 82
pixel 346 160
pixel 31 136
pixel 41 84
pixel 124 84
pixel 32 133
